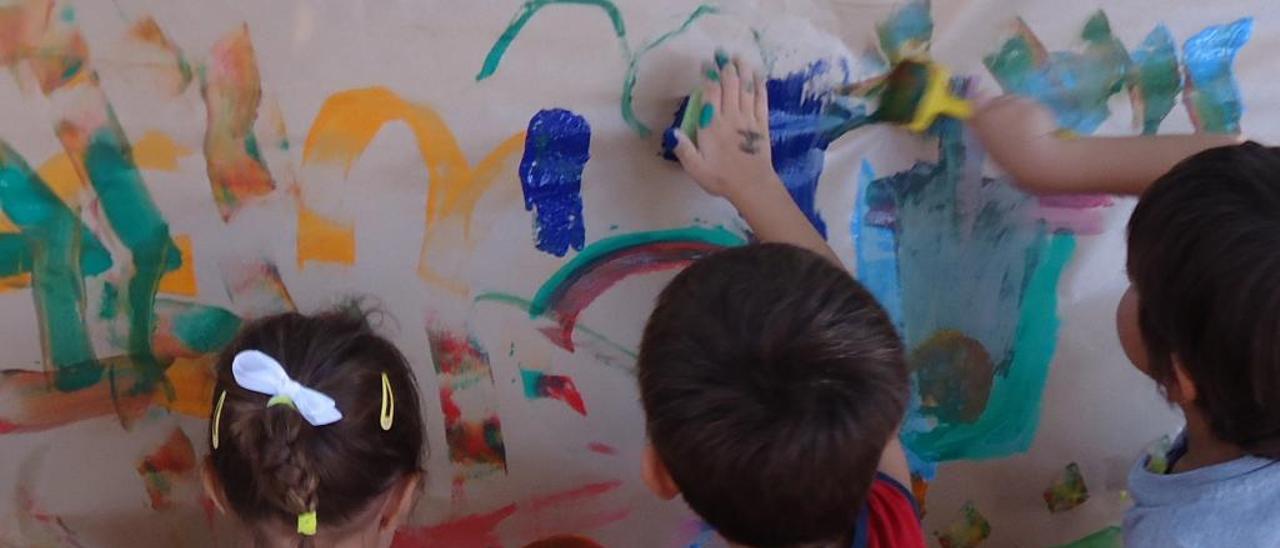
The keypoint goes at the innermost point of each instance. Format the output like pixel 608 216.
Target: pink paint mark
pixel 474 531
pixel 1078 213
pixel 602 448
pixel 573 495
pixel 1077 201
pixel 556 387
pixel 474 433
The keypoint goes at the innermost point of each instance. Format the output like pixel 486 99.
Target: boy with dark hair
pixel 1201 318
pixel 773 383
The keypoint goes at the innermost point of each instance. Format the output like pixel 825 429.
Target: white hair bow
pixel 261 373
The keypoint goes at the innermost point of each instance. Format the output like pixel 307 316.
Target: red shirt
pixel 890 518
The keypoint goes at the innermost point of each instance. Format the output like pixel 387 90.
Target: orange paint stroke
pixel 232 90
pixel 183 280
pixel 158 151
pixel 192 380
pixel 321 239
pixel 154 50
pixel 170 465
pixel 348 121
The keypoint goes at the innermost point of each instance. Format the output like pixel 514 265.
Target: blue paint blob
pixel 910 28
pixel 556 150
pixel 799 145
pixel 1212 90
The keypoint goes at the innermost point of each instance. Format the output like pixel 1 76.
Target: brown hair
pixel 771 382
pixel 273 465
pixel 1204 257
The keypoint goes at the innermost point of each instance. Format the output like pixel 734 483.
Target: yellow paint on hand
pixel 183 280
pixel 323 240
pixel 193 381
pixel 348 121
pixel 158 151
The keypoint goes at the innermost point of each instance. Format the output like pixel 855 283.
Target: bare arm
pixel 732 159
pixel 1021 136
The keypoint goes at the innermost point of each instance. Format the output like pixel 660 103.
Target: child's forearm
pixel 1114 165
pixel 774 217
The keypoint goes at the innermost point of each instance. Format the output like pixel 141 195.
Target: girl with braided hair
pixel 316 435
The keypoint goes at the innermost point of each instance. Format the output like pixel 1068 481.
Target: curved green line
pixel 524 304
pixel 527 11
pixel 608 246
pixel 633 68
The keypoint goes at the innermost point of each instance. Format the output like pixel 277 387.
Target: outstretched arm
pixel 732 159
pixel 1020 135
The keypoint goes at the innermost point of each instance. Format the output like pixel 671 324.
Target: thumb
pixel 689 155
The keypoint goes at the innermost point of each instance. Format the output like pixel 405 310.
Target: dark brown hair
pixel 771 382
pixel 1204 258
pixel 273 465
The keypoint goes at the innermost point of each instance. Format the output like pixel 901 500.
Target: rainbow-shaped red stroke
pixel 604 263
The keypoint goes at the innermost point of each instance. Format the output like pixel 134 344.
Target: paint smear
pixel 953 376
pixel 564 541
pixel 967 531
pixel 29 404
pixel 602 448
pixel 605 350
pixel 1111 537
pixel 875 243
pixel 1154 80
pixel 167 468
pixel 572 510
pixel 1212 95
pixel 632 56
pixel 192 381
pixel 58 251
pixel 472 428
pixel 191 330
pixel 36 527
pixel 256 288
pixel 947 219
pixel 908 32
pixel 348 121
pixel 324 240
pixel 157 150
pixel 557 147
pixel 539 385
pixel 606 262
pixel 1067 491
pixel 183 280
pixel 1075 86
pixel 232 91
pixel 166 66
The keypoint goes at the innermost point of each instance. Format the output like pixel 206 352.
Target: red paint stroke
pixel 579 494
pixel 29 402
pixel 556 387
pixel 564 541
pixel 479 530
pixel 474 531
pixel 172 463
pixel 585 285
pixel 232 91
pixel 474 433
pixel 602 448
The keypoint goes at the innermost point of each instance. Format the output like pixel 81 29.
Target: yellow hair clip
pixel 387 414
pixel 217 417
pixel 307 523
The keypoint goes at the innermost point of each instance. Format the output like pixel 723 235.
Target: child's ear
pixel 655 474
pixel 400 504
pixel 1183 389
pixel 212 486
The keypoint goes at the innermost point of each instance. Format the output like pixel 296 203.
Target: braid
pixel 286 477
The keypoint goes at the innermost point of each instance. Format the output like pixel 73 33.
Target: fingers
pixel 712 92
pixel 747 98
pixel 731 81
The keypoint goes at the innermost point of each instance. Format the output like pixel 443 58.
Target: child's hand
pixel 732 156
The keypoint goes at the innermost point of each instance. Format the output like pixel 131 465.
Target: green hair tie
pixel 281 399
pixel 307 523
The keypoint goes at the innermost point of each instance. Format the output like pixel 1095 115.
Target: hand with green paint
pixel 732 157
pixel 731 126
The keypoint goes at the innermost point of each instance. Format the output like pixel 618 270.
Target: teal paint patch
pixel 1212 93
pixel 706 116
pixel 110 304
pixel 1154 80
pixel 908 30
pixel 201 328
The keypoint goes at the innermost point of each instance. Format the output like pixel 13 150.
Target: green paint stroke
pixel 1111 537
pixel 600 250
pixel 1154 79
pixel 532 7
pixel 527 11
pixel 633 68
pixel 203 329
pixel 55 238
pixel 140 227
pixel 1009 422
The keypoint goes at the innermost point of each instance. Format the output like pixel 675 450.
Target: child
pixel 316 435
pixel 773 384
pixel 1201 317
